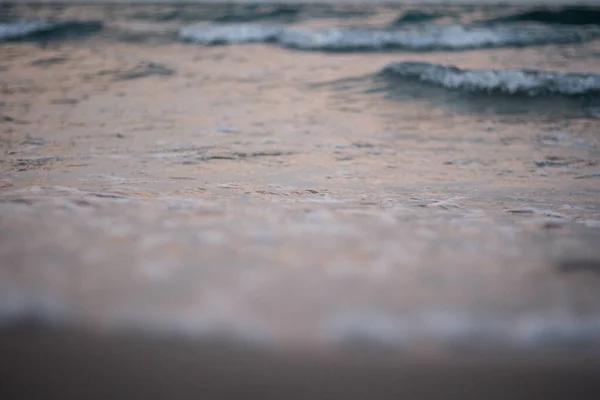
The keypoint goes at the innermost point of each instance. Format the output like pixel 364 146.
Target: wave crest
pixel 445 37
pixel 229 34
pixel 508 81
pixel 22 28
pixel 43 30
pixel 422 38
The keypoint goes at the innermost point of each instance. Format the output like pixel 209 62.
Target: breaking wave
pixel 20 29
pixel 230 34
pixel 507 81
pixel 445 37
pixel 46 30
pixel 421 38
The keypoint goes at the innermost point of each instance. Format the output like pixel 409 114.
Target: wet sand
pixel 87 366
pixel 159 189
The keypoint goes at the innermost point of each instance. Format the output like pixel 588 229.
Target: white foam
pixel 379 329
pixel 221 319
pixel 230 33
pixel 427 37
pixel 431 37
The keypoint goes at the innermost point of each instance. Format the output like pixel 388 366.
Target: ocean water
pixel 399 176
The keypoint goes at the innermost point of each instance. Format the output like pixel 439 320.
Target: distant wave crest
pixel 23 29
pixel 569 15
pixel 444 37
pixel 423 38
pixel 508 81
pixel 237 12
pixel 229 34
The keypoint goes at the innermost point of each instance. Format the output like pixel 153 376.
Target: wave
pixel 510 94
pixel 229 34
pixel 225 13
pixel 20 29
pixel 46 30
pixel 507 81
pixel 415 16
pixel 421 38
pixel 575 15
pixel 252 12
pixel 444 37
pixel 247 13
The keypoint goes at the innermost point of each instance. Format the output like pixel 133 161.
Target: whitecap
pixel 509 81
pixel 229 33
pixel 414 38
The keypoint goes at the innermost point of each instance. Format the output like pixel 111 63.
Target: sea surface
pixel 415 178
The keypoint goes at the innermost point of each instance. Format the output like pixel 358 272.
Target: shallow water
pixel 307 198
